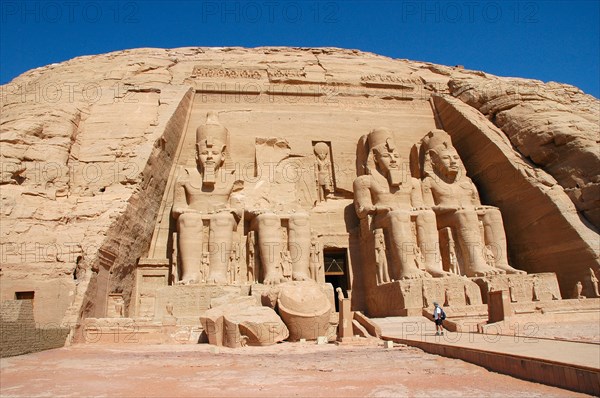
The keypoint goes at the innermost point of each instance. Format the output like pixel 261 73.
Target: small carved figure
pixel 233 264
pixel 511 291
pixel 467 295
pixel 424 294
pixel 419 260
pixel 446 298
pixel 315 258
pixel 169 308
pixel 323 171
pixel 577 291
pixel 286 264
pixel 535 289
pixel 204 266
pixel 251 257
pixel 380 257
pixel 454 266
pixel 490 258
pixel 119 307
pixel 340 294
pixel 593 281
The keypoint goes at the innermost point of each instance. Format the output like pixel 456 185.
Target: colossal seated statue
pixel 390 198
pixel 455 201
pixel 274 215
pixel 204 195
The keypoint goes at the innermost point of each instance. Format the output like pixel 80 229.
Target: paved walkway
pixel 580 356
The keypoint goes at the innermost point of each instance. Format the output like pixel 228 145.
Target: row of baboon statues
pixel 402 214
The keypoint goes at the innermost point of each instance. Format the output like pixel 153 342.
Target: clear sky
pixel 545 40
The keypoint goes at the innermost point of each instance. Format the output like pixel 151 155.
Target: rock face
pixel 554 126
pixel 91 149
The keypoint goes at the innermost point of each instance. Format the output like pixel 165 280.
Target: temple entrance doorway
pixel 336 270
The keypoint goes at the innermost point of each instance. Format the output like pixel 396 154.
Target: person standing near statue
pixel 438 316
pixel 204 194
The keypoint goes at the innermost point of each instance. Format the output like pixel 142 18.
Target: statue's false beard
pixel 208 176
pixel 394 177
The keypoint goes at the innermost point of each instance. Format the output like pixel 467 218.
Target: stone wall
pixel 20 334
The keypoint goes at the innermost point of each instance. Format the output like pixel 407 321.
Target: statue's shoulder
pixel 183 175
pixel 363 181
pixel 415 182
pixel 427 181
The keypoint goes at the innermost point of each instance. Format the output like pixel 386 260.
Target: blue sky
pixel 545 40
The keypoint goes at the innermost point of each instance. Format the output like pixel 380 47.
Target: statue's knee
pixel 428 216
pixel 466 217
pixel 398 215
pixel 268 219
pixel 222 219
pixel 299 220
pixel 189 220
pixel 494 215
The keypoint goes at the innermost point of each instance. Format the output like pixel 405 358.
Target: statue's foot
pixel 484 271
pixel 510 270
pixel 300 276
pixel 273 279
pixel 216 279
pixel 188 280
pixel 414 273
pixel 437 272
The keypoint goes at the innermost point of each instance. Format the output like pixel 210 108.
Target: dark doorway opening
pixel 336 270
pixel 24 295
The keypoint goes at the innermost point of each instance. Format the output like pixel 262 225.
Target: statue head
pixel 321 150
pixel 211 143
pixel 439 156
pixel 385 154
pixel 445 161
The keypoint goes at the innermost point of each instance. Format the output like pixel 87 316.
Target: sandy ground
pixel 287 370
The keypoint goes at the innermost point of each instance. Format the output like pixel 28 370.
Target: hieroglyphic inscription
pixel 379 80
pixel 227 73
pixel 286 73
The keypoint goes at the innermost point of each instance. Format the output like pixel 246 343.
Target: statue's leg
pixel 270 245
pixel 299 244
pixel 189 237
pixel 495 238
pixel 384 266
pixel 428 240
pixel 379 270
pixel 471 245
pixel 220 236
pixel 402 242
